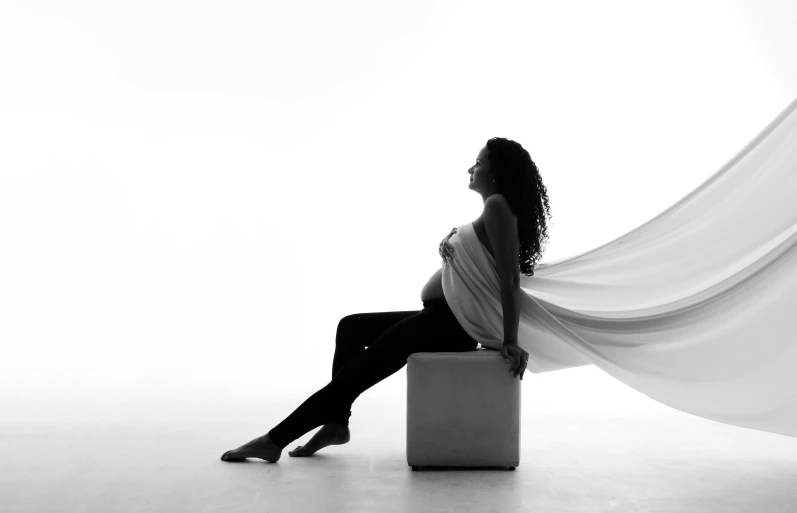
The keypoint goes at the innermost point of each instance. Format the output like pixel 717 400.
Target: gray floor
pixel 588 444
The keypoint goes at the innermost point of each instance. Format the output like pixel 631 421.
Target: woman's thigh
pixel 433 329
pixel 437 330
pixel 358 331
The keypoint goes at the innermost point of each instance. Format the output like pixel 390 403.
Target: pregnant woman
pixel 372 346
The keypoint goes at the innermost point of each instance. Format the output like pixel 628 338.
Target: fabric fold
pixel 693 308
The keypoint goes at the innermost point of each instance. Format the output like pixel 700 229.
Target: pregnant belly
pixel 434 287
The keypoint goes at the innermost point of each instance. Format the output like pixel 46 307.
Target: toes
pixel 226 457
pixel 299 451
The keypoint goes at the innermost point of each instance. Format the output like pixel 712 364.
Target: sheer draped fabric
pixel 695 308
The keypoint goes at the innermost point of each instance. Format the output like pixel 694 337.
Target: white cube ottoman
pixel 463 410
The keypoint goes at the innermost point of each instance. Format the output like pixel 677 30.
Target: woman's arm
pixel 510 302
pixel 502 232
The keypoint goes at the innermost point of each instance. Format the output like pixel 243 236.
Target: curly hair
pixel 519 181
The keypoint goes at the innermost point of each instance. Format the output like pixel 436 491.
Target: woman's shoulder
pixel 499 200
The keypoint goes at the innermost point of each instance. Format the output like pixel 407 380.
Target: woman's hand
pixel 517 358
pixel 445 249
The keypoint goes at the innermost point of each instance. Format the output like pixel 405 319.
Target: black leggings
pixel 390 337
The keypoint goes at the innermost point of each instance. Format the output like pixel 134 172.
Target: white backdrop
pixel 193 195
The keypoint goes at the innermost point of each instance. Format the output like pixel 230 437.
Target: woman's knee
pixel 346 329
pixel 346 321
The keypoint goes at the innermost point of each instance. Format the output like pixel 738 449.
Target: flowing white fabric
pixel 694 308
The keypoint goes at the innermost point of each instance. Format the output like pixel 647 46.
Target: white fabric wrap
pixel 693 308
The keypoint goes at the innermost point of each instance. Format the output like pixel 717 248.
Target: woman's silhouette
pixel 372 346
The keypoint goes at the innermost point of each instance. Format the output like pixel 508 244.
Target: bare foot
pixel 261 447
pixel 329 434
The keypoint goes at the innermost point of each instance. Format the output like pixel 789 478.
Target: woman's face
pixel 480 176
